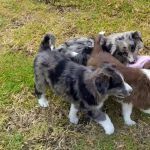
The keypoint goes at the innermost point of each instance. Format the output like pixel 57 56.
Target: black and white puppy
pixel 84 87
pixel 123 46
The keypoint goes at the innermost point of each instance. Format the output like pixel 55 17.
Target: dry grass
pixel 26 126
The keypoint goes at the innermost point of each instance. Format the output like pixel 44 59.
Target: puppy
pixel 139 79
pixel 85 88
pixel 123 46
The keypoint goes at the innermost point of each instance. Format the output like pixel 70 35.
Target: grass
pixel 23 124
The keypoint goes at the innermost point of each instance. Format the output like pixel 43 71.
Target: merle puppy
pixel 123 46
pixel 84 87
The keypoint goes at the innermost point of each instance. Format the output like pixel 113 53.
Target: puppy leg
pixel 41 97
pixel 126 111
pixel 43 101
pixel 104 120
pixel 40 85
pixel 147 111
pixel 73 114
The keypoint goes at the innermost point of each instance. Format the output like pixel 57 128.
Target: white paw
pixel 109 130
pixel 74 120
pixel 43 103
pixel 107 125
pixel 130 122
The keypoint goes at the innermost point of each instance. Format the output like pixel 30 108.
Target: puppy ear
pixel 102 83
pixel 136 35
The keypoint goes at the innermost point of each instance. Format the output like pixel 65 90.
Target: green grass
pixel 13 141
pixel 23 124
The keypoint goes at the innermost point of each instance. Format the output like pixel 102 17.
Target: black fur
pixel 84 92
pixel 57 71
pixel 70 83
pixel 102 84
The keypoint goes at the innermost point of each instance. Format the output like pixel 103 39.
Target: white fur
pixel 130 57
pixel 73 54
pixel 102 32
pixel 73 114
pixel 128 87
pixel 107 125
pixel 113 49
pixel 52 47
pixel 147 111
pixel 126 111
pixel 43 101
pixel 146 72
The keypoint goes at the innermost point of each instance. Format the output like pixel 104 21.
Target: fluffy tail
pixel 48 42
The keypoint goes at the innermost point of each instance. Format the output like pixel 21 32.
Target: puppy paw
pixel 130 122
pixel 43 103
pixel 74 120
pixel 107 125
pixel 109 130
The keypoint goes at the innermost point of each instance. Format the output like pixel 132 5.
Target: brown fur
pixel 147 65
pixel 140 96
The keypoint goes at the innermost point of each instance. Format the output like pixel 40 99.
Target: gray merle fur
pixel 83 86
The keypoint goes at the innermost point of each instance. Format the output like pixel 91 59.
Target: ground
pixel 26 126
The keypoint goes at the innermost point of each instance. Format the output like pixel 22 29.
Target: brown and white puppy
pixel 86 88
pixel 139 79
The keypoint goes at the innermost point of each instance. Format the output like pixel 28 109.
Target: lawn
pixel 26 126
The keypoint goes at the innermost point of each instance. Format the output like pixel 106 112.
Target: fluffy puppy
pixel 139 79
pixel 84 87
pixel 123 46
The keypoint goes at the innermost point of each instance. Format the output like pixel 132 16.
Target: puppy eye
pixel 132 48
pixel 114 83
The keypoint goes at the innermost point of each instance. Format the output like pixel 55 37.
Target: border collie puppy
pixel 85 88
pixel 139 79
pixel 123 46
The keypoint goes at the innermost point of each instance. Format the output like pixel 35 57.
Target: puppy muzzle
pixel 128 89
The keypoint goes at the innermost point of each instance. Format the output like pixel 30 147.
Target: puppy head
pixel 109 81
pixel 124 52
pixel 126 46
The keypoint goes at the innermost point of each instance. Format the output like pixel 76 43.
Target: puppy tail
pixel 48 42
